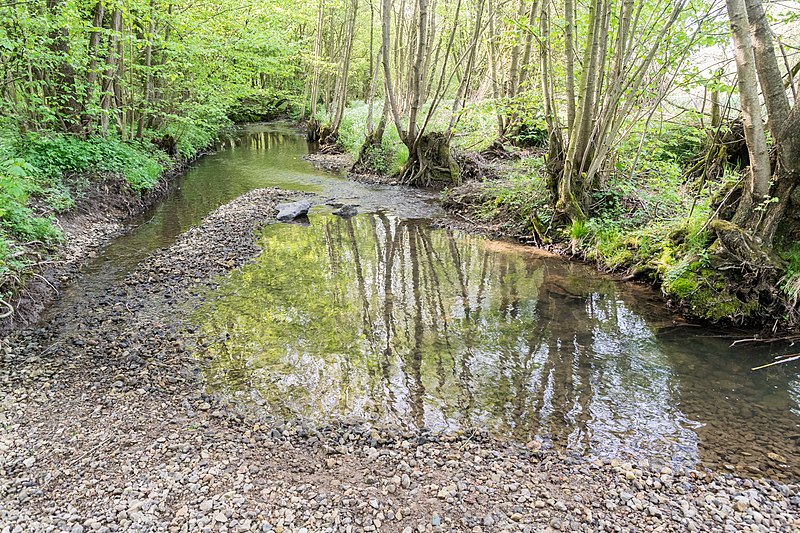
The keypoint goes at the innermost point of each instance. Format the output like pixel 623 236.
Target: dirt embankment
pixel 103 212
pixel 105 425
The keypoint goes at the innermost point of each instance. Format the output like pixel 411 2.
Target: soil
pixel 105 425
pixel 102 213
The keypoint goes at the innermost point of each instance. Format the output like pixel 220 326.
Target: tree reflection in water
pixel 383 319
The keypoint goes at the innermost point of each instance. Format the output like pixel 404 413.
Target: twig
pixel 786 359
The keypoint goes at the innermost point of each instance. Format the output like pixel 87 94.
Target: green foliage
pixel 530 129
pixel 21 230
pixel 578 230
pixel 59 159
pixel 264 104
pixel 519 203
pixel 16 219
pixel 392 154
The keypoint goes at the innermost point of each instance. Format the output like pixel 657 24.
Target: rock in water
pixel 290 211
pixel 346 211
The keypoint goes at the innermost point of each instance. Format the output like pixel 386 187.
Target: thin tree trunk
pixel 92 70
pixel 769 74
pixel 340 97
pixel 148 65
pixel 501 128
pixel 463 86
pixel 111 70
pixel 569 61
pixel 62 89
pixel 569 203
pixel 760 172
pixel 416 71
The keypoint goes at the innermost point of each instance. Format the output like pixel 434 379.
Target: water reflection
pixel 381 318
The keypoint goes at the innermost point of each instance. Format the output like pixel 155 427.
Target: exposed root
pixel 430 164
pixel 497 150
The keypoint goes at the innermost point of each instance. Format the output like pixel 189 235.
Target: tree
pixel 610 90
pixel 767 194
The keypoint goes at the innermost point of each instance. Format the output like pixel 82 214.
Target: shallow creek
pixel 382 319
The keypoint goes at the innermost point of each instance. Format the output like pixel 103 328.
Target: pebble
pixel 133 457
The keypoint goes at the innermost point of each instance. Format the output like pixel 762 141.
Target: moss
pixel 707 294
pixel 683 287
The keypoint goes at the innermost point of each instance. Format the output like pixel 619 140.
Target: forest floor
pixel 105 425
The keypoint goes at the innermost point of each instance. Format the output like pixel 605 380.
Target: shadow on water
pixel 380 318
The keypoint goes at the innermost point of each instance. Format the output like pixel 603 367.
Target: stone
pixel 290 211
pixel 346 211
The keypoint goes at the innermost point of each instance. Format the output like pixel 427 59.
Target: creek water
pixel 382 319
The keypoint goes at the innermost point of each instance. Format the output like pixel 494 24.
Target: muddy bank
pixel 105 424
pixel 103 212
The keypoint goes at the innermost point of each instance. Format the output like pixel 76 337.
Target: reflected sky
pixel 383 319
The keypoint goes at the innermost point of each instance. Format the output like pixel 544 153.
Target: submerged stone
pixel 346 211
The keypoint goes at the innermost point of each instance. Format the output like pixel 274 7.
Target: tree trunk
pixel 569 61
pixel 313 126
pixel 555 145
pixel 91 78
pixel 340 93
pixel 148 65
pixel 370 151
pixel 463 86
pixel 62 89
pixel 111 70
pixel 767 67
pixel 429 163
pixel 572 201
pixel 760 173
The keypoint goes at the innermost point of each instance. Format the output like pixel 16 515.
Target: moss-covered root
pixel 711 295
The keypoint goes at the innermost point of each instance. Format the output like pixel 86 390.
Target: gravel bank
pixel 104 211
pixel 105 426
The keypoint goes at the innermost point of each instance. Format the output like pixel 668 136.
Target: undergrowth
pixel 43 174
pixel 475 130
pixel 646 220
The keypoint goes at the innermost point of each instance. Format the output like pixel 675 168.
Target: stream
pixel 383 319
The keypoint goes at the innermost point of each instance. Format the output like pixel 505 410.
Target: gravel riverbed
pixel 105 425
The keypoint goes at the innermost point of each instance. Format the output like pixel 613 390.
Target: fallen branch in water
pixel 781 359
pixel 768 340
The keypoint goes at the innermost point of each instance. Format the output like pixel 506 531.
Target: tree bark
pixel 340 93
pixel 92 70
pixel 148 65
pixel 758 182
pixel 111 70
pixel 569 60
pixel 769 74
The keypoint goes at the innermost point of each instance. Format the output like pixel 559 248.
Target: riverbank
pixel 96 202
pixel 106 423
